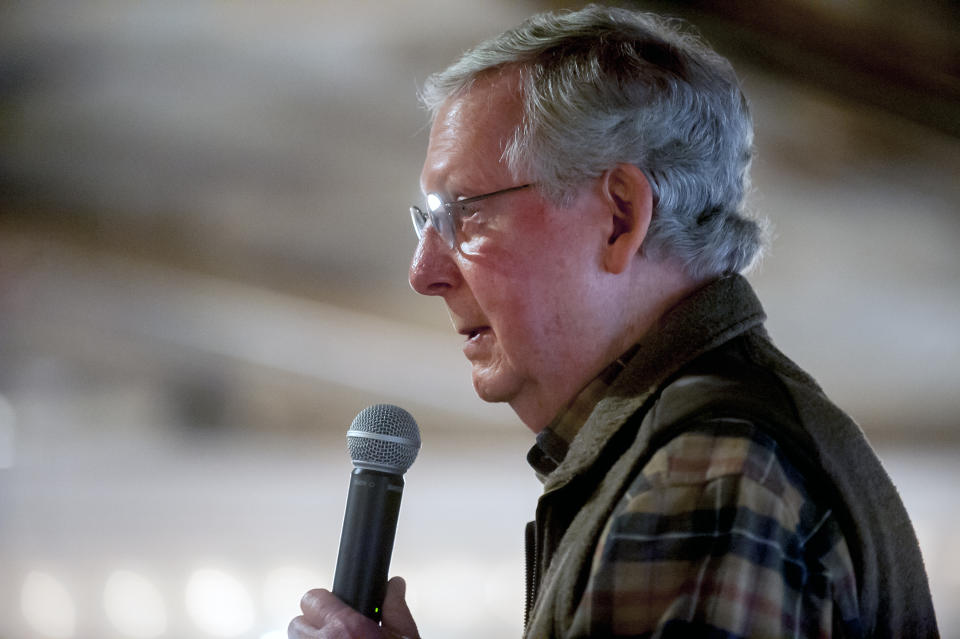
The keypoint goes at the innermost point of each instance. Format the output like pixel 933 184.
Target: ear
pixel 629 198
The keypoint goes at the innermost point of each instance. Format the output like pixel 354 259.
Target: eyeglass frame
pixel 446 225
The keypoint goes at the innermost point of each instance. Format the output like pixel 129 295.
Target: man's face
pixel 519 290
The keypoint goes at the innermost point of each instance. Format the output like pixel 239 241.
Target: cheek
pixel 524 319
pixel 504 290
pixel 498 272
pixel 526 286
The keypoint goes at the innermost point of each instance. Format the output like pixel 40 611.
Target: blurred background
pixel 203 249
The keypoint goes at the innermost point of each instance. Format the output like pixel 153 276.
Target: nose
pixel 433 270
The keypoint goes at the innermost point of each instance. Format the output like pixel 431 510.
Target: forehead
pixel 469 134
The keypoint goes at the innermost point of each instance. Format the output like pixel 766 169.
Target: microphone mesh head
pixel 383 437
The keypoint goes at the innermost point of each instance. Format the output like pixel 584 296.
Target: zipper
pixel 530 546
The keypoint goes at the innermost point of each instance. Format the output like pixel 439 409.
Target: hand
pixel 326 617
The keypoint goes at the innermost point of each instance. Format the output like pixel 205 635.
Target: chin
pixel 494 385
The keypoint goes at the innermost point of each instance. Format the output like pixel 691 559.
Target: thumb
pixel 397 619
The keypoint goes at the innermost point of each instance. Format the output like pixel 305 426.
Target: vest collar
pixel 714 314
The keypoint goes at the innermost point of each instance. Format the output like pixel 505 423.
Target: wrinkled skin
pixel 326 617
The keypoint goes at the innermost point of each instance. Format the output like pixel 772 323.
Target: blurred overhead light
pixel 134 605
pixel 219 604
pixel 503 592
pixel 283 589
pixel 448 587
pixel 47 606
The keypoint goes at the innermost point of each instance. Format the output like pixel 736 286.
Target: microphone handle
pixel 366 541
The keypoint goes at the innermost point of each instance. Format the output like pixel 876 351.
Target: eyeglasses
pixel 447 217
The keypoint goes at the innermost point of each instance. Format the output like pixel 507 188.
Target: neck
pixel 650 297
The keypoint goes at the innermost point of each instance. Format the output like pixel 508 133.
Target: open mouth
pixel 471 333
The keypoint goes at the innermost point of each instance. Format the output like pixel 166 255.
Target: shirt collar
pixel 716 313
pixel 553 442
pixel 712 315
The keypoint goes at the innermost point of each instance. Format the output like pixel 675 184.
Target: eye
pixel 465 211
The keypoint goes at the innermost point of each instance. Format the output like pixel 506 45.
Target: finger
pixel 299 628
pixel 323 610
pixel 396 615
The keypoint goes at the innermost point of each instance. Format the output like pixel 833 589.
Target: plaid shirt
pixel 717 536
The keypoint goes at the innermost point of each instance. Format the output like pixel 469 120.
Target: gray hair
pixel 602 86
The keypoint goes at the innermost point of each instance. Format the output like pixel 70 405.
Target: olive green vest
pixel 714 344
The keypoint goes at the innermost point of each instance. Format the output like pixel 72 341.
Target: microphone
pixel 383 441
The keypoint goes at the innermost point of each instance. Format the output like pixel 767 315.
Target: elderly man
pixel 584 224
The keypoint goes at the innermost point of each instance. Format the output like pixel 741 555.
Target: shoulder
pixel 722 448
pixel 719 528
pixel 722 474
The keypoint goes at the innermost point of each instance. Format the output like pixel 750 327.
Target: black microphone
pixel 383 441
